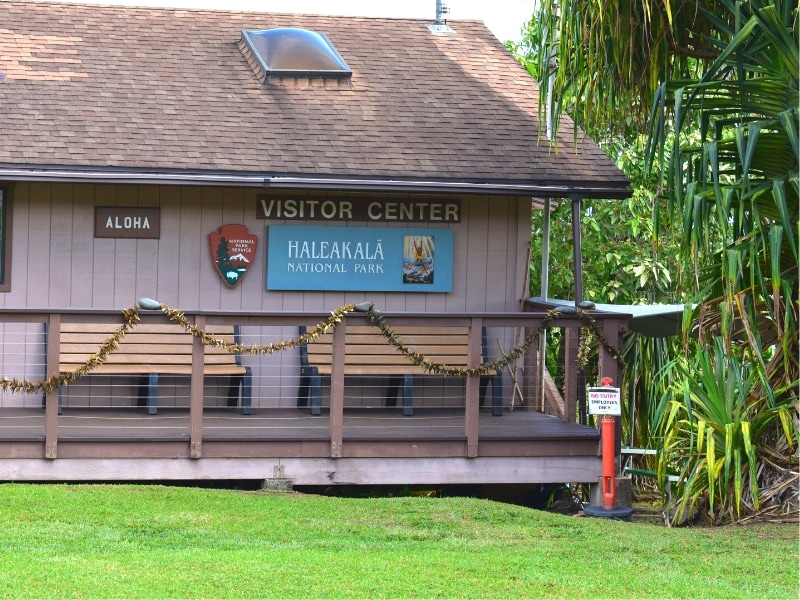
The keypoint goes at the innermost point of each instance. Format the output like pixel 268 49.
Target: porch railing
pixel 511 328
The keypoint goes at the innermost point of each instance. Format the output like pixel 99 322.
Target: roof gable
pixel 109 88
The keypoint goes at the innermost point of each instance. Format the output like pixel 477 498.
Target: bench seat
pixel 150 350
pixel 367 353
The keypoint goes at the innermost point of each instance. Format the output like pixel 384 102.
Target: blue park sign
pixel 383 259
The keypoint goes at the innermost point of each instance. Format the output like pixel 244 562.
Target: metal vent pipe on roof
pixel 441 9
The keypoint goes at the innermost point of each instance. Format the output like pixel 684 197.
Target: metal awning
pixel 651 320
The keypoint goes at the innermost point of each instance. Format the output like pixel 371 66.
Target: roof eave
pixel 454 187
pixel 258 180
pixel 65 175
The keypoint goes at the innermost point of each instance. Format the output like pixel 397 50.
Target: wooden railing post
pixel 337 389
pixel 532 388
pixel 196 393
pixel 571 342
pixel 609 367
pixel 51 398
pixel 472 399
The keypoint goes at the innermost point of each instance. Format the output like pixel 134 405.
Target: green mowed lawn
pixel 144 541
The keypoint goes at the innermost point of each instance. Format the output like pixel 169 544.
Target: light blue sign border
pixel 326 258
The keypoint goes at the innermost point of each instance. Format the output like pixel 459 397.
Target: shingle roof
pixel 154 90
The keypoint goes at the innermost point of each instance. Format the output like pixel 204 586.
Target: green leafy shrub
pixel 718 411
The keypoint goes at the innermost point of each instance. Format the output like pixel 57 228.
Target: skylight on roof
pixel 294 52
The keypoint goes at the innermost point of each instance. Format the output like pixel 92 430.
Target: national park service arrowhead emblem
pixel 233 251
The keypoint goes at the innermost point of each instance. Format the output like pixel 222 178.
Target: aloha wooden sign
pixel 127 222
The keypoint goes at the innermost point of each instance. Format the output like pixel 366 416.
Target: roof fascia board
pixel 128 177
pixel 327 183
pixel 540 191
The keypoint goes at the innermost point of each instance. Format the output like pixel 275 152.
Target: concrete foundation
pixel 623 492
pixel 277 485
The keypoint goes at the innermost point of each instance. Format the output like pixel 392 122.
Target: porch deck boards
pixel 373 424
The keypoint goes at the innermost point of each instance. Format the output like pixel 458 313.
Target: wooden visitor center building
pixel 177 182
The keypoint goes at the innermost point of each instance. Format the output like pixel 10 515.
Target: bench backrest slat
pixel 167 345
pixel 367 352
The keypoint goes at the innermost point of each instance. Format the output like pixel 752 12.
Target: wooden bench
pixel 368 354
pixel 150 350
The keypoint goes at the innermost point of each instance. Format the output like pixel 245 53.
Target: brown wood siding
pixel 58 263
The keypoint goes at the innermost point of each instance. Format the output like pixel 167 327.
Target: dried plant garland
pixel 590 329
pixel 131 319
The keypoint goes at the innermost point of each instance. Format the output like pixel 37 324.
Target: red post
pixel 609 477
pixel 607 435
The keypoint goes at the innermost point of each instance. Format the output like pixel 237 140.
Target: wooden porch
pixel 384 446
pixel 450 439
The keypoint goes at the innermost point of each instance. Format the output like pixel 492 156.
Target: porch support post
pixel 576 248
pixel 337 389
pixel 473 389
pixel 196 393
pixel 573 334
pixel 51 398
pixel 544 291
pixel 609 367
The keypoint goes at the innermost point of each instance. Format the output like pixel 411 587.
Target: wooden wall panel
pixel 124 272
pixel 456 301
pixel 35 257
pixel 59 264
pixel 103 268
pixel 82 247
pixel 498 233
pixel 60 247
pixel 211 289
pixel 476 270
pixel 191 239
pixel 146 250
pixel 169 248
pixel 125 255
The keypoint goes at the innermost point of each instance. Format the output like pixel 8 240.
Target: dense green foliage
pixel 63 541
pixel 628 261
pixel 733 181
pixel 609 59
pixel 719 82
pixel 629 258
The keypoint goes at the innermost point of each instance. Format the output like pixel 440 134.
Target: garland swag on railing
pixel 374 316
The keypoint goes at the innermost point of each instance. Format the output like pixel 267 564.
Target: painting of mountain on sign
pixel 418 258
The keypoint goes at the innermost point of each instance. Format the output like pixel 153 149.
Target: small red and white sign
pixel 604 401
